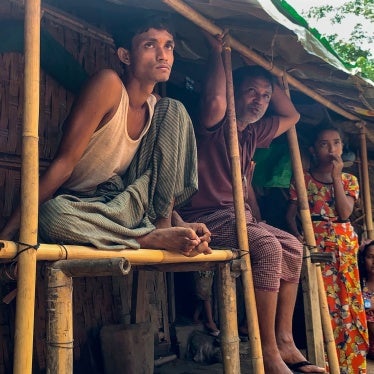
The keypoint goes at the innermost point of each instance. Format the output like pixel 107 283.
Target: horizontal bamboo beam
pixel 84 28
pixel 235 266
pixel 177 268
pixel 102 267
pixel 54 252
pixel 207 25
pixel 65 19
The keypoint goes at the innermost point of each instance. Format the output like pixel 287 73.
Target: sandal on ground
pixel 297 367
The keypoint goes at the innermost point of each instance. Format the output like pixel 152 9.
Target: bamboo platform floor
pixel 189 367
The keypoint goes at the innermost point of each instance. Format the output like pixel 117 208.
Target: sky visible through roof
pixel 324 26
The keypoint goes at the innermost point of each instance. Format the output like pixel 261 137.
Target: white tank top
pixel 109 151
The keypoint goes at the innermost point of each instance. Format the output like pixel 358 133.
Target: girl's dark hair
pixel 319 129
pixel 250 71
pixel 361 261
pixel 139 23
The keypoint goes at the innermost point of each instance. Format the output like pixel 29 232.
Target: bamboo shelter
pixel 76 41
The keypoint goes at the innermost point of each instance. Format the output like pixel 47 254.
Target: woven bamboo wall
pixel 97 301
pixel 55 101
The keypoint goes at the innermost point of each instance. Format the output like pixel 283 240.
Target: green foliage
pixel 351 50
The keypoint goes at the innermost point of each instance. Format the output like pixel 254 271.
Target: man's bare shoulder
pixel 103 89
pixel 106 77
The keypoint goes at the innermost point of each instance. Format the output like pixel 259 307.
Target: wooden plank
pixel 140 299
pixel 122 296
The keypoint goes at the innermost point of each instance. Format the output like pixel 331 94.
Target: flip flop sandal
pixel 298 365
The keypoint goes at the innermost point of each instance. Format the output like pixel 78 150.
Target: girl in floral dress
pixel 366 266
pixel 331 196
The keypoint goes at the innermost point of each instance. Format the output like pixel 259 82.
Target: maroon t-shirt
pixel 215 181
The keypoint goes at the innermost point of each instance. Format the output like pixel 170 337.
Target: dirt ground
pixel 370 366
pixel 179 366
pixel 189 367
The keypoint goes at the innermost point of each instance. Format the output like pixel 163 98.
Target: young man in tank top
pixel 117 131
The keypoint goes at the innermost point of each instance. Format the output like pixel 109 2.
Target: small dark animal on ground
pixel 204 348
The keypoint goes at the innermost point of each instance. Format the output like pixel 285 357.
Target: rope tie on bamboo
pixel 226 40
pixel 317 256
pixel 310 247
pixel 65 345
pixel 58 286
pixel 8 272
pixel 65 249
pixel 28 246
pixel 243 252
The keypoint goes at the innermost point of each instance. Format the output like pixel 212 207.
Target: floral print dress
pixel 341 277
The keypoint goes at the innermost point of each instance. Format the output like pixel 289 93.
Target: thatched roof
pixel 268 32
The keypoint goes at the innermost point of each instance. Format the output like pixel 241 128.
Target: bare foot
pixel 291 355
pixel 211 326
pixel 273 363
pixel 173 239
pixel 163 223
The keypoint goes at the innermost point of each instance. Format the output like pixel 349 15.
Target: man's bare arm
pixel 284 108
pixel 252 201
pixel 90 110
pixel 291 214
pixel 213 97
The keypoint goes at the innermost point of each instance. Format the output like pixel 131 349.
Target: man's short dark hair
pixel 250 71
pixel 139 23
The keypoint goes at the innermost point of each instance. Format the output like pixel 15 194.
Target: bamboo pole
pixel 115 267
pixel 54 252
pixel 73 23
pixel 213 29
pixel 228 320
pixel 24 320
pixel 366 184
pixel 59 322
pixel 309 281
pixel 241 222
pixel 68 20
pixel 60 305
pixel 312 281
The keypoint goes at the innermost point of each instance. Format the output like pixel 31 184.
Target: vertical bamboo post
pixel 59 322
pixel 308 276
pixel 241 224
pixel 228 319
pixel 313 286
pixel 366 183
pixel 24 321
